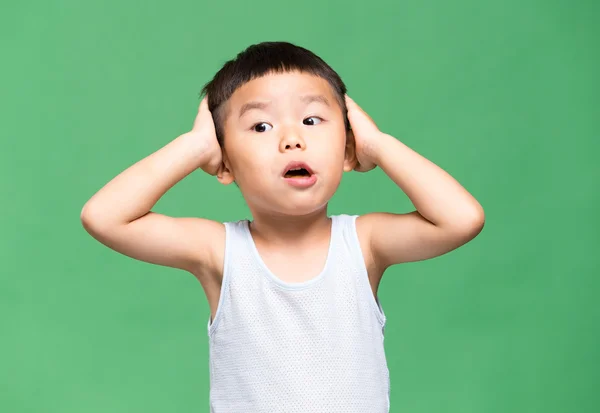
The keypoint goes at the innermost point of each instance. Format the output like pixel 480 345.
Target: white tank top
pixel 308 347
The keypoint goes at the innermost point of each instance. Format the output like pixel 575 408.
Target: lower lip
pixel 303 182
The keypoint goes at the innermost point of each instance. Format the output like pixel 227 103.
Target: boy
pixel 295 324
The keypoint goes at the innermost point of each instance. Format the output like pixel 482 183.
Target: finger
pixel 353 106
pixel 354 109
pixel 202 108
pixel 350 101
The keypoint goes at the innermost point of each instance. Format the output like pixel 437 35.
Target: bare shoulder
pixel 364 230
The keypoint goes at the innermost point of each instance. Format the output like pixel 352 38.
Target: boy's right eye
pixel 262 127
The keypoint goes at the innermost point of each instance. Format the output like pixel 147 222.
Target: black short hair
pixel 259 60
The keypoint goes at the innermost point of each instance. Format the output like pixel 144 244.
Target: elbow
pixel 91 219
pixel 99 221
pixel 467 223
pixel 473 221
pixel 86 218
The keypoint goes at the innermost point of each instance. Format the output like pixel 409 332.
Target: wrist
pixel 196 150
pixel 379 147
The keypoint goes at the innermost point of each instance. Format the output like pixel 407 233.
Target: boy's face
pixel 278 119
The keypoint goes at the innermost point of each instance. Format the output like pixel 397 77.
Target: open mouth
pixel 297 173
pixel 297 170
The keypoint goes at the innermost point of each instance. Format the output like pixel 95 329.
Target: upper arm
pixel 192 244
pixel 397 238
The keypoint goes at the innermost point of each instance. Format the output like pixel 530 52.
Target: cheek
pixel 332 148
pixel 252 164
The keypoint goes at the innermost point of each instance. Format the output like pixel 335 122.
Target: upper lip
pixel 297 165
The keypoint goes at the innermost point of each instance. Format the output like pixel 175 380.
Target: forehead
pixel 281 87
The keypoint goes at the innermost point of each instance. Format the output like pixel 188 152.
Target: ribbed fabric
pixel 310 347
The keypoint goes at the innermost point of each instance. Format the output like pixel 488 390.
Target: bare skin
pixel 290 117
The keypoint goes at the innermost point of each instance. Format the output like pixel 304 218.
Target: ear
pixel 225 174
pixel 350 160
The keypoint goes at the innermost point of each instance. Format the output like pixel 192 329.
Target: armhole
pixel 363 274
pixel 224 282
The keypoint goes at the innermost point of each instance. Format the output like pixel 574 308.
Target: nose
pixel 291 140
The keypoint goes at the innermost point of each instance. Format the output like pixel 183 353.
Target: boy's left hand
pixel 366 136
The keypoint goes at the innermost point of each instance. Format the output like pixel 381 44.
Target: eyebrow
pixel 315 98
pixel 307 99
pixel 253 105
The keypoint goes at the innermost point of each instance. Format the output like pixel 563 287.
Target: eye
pixel 313 120
pixel 262 127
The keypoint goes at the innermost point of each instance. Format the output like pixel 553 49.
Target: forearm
pixel 436 195
pixel 134 192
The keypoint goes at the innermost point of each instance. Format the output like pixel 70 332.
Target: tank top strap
pixel 354 253
pixel 235 241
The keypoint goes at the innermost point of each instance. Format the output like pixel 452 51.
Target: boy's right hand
pixel 120 214
pixel 204 134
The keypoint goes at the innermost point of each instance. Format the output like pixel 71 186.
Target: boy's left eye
pixel 313 120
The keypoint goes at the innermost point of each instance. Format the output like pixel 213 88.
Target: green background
pixel 503 95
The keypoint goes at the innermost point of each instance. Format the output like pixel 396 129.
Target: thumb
pixel 202 112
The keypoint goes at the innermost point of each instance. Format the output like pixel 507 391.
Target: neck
pixel 290 229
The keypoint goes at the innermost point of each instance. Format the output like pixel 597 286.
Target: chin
pixel 301 207
pixel 295 203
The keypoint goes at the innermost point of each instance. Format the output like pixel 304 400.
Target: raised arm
pixel 119 215
pixel 446 217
